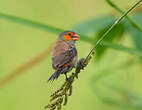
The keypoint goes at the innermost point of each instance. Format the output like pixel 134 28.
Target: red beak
pixel 75 37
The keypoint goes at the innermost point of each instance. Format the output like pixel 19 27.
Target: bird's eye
pixel 69 34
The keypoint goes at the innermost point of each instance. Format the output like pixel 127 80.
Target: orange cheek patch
pixel 67 38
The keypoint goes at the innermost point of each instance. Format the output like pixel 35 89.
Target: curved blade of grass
pixel 26 65
pixel 55 30
pixel 131 97
pixel 31 23
pixel 133 23
pixel 109 100
pixel 135 103
pixel 115 101
pixel 127 92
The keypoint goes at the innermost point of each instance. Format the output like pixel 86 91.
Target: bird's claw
pixel 66 77
pixel 81 63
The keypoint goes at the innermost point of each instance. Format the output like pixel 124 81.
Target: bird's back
pixel 63 53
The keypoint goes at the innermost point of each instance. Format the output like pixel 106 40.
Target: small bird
pixel 64 54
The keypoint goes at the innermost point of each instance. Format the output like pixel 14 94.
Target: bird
pixel 64 54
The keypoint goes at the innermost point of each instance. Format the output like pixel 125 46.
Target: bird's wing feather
pixel 64 58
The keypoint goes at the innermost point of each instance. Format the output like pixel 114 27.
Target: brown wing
pixel 64 58
pixel 59 48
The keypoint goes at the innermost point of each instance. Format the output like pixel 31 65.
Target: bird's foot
pixel 66 77
pixel 81 63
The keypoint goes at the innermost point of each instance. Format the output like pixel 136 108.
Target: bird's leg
pixel 81 64
pixel 66 76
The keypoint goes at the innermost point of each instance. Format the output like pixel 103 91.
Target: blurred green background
pixel 112 81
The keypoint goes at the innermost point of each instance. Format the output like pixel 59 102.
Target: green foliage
pixel 97 26
pixel 134 24
pixel 113 94
pixel 134 33
pixel 125 99
pixel 93 25
pixel 116 32
pixel 55 30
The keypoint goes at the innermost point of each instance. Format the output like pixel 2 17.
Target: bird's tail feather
pixel 57 73
pixel 54 76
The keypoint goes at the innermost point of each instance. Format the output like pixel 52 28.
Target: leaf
pixel 116 32
pixel 55 30
pixel 135 34
pixel 93 25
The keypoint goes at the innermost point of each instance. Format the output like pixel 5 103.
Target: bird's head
pixel 69 36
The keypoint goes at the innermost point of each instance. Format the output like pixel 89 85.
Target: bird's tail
pixel 57 73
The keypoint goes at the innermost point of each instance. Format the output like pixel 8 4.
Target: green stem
pixel 109 30
pixel 122 12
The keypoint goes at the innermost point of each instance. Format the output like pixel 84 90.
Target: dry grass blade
pixel 31 62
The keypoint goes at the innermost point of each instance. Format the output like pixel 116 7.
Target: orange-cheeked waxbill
pixel 64 55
